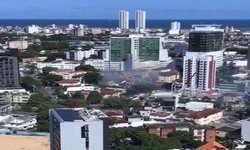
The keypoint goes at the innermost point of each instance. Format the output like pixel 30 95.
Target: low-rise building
pixel 5 107
pixel 169 76
pixel 58 65
pixel 69 74
pixel 20 98
pixel 203 133
pixel 17 122
pixel 159 116
pixel 107 92
pixel 206 116
pixel 82 87
pixel 14 98
pixel 68 83
pixel 198 106
pixel 245 130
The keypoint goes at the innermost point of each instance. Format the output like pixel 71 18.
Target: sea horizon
pixel 114 23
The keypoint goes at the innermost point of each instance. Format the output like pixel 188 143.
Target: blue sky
pixel 108 9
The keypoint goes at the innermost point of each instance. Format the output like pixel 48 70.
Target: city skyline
pixel 91 9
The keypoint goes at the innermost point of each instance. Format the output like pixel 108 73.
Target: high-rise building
pixel 119 47
pixel 78 32
pixel 145 51
pixel 199 73
pixel 78 129
pixel 175 28
pixel 124 20
pixel 207 39
pixel 9 66
pixel 205 50
pixel 140 20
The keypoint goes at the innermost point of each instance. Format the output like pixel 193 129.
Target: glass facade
pixel 119 48
pixel 149 49
pixel 205 41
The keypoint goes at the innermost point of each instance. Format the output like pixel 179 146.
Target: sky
pixel 108 9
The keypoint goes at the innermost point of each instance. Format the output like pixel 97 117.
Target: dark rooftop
pixel 68 114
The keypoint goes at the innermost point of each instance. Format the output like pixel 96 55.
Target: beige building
pixel 18 45
pixel 69 74
pixel 169 76
pixel 205 117
pixel 20 98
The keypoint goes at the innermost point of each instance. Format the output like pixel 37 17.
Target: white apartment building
pixel 32 29
pixel 79 54
pixel 82 128
pixel 199 73
pixel 79 32
pixel 140 20
pixel 124 20
pixel 82 87
pixel 58 65
pixel 175 28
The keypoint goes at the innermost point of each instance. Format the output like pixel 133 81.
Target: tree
pixel 32 68
pixel 92 77
pixel 50 58
pixel 30 83
pixel 172 143
pixel 94 97
pixel 43 104
pixel 75 103
pixel 49 79
pixel 187 139
pixel 86 68
pixel 47 70
pixel 78 95
pixel 113 103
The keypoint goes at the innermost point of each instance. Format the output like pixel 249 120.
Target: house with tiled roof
pixel 169 76
pixel 69 74
pixel 205 116
pixel 212 146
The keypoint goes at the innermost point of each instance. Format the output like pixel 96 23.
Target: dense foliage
pixel 139 139
pixel 94 97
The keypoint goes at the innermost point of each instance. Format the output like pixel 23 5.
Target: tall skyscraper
pixel 124 20
pixel 78 129
pixel 140 20
pixel 204 55
pixel 9 66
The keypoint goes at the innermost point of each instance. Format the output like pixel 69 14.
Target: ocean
pixel 165 24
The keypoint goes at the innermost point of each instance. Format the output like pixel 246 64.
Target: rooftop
pixel 212 146
pixel 204 113
pixel 68 114
pixel 169 73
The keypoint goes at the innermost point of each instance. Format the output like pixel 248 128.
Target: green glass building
pixel 149 49
pixel 205 41
pixel 120 47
